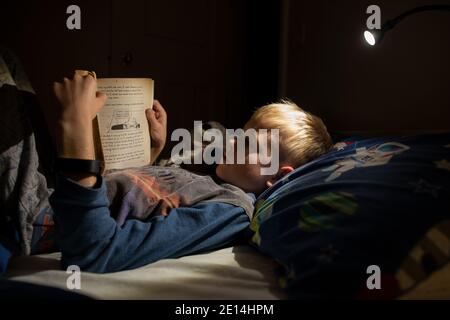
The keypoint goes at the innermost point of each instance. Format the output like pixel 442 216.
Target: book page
pixel 122 124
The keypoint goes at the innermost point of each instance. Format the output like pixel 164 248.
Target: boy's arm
pixel 90 238
pixel 70 124
pixel 86 233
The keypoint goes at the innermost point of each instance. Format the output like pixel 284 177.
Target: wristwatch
pixel 79 165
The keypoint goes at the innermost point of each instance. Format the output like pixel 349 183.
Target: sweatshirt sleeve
pixel 89 238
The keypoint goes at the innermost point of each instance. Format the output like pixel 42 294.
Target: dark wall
pixel 400 85
pixel 219 59
pixel 261 53
pixel 210 59
pixel 36 31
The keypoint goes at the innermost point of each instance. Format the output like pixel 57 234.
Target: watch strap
pixel 78 165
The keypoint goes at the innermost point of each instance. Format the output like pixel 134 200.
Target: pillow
pixel 365 203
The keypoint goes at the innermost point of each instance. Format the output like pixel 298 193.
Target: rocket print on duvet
pixel 376 155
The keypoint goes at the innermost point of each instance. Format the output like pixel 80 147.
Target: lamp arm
pixel 391 23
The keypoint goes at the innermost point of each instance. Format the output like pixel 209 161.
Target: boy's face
pixel 245 176
pixel 248 176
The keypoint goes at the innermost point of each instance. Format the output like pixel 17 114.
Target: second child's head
pixel 302 138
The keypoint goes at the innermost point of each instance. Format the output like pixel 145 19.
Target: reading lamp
pixel 376 35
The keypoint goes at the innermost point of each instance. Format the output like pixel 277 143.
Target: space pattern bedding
pixel 358 209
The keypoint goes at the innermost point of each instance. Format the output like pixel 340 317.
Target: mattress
pixel 238 272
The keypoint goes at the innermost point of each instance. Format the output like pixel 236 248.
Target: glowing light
pixel 370 38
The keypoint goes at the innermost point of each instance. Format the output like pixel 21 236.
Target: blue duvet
pixel 365 203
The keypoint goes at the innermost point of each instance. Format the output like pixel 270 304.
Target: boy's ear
pixel 280 174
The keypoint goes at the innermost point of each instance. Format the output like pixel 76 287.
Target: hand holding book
pixel 71 124
pixel 108 120
pixel 157 120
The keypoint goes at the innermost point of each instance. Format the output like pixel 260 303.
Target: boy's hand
pixel 71 123
pixel 79 98
pixel 157 121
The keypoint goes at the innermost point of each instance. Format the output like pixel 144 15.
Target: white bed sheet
pixel 238 272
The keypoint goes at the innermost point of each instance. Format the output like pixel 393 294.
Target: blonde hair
pixel 303 136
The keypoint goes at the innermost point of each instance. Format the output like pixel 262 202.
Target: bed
pixel 380 201
pixel 241 273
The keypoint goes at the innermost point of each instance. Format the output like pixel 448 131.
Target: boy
pixel 303 137
pixel 133 217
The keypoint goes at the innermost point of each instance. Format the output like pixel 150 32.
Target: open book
pixel 121 132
